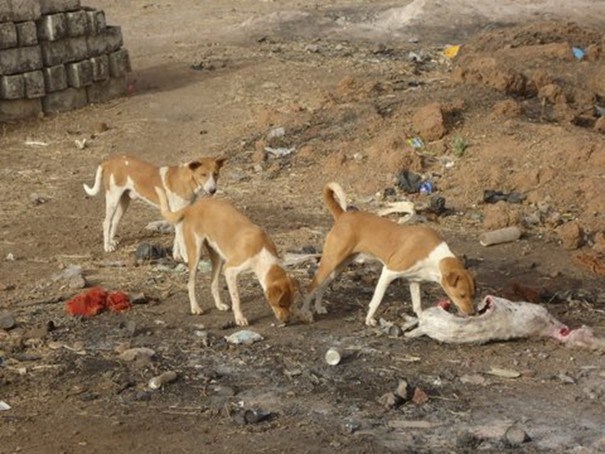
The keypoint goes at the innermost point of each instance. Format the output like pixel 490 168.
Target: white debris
pixel 245 337
pixel 4 406
pixel 280 152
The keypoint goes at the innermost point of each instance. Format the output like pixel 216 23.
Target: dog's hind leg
pixel 121 208
pixel 193 252
pixel 217 266
pixel 386 277
pixel 112 204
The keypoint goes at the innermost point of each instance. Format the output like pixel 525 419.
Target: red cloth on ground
pixel 95 301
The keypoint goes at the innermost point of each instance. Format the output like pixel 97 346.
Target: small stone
pixel 570 235
pixel 504 373
pixel 77 282
pixel 133 354
pixel 420 397
pixel 101 127
pixel 246 337
pixel 474 379
pixel 7 321
pixel 403 389
pixel 142 396
pixel 516 436
pixel 390 400
pixel 138 298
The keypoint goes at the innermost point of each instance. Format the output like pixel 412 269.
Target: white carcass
pixel 500 319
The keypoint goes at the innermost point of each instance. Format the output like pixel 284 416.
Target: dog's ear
pixel 221 161
pixel 274 294
pixel 194 165
pixel 452 278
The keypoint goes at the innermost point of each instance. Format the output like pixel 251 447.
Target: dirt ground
pixel 350 82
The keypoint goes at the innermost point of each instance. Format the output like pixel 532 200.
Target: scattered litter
pixel 254 416
pixel 73 277
pixel 245 337
pixel 390 400
pixel 4 406
pixel 420 397
pixel 276 133
pixel 10 257
pixel 451 51
pixel 405 206
pixel 160 227
pixel 474 379
pixel 38 199
pixel 499 236
pixel 138 298
pixel 95 301
pixel 578 53
pixel 503 373
pixel 409 181
pixel 35 143
pixel 426 187
pixel 599 111
pixel 158 381
pixel 492 196
pixel 500 319
pixel 437 205
pixel 415 142
pixel 281 151
pixel 333 356
pixel 389 328
pixel 80 144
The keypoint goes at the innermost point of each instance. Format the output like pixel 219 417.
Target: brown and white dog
pixel 125 178
pixel 416 253
pixel 236 244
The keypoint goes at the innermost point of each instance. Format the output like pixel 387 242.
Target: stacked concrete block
pixel 57 55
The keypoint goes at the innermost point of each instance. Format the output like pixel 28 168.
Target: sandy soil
pixel 349 82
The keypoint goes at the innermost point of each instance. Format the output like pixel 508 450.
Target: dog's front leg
pixel 386 277
pixel 416 301
pixel 231 278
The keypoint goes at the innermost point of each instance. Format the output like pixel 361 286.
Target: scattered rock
pixel 507 109
pixel 101 127
pixel 150 252
pixel 474 379
pixel 138 298
pixel 158 381
pixel 160 227
pixel 499 215
pixel 254 416
pixel 468 441
pixel 429 122
pixel 515 436
pixel 390 400
pixel 245 337
pixel 503 373
pixel 403 390
pixel 38 199
pixel 132 354
pixel 7 321
pixel 420 397
pixel 571 235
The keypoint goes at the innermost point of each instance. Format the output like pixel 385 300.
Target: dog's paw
pixel 371 321
pixel 112 246
pixel 222 307
pixel 196 310
pixel 305 316
pixel 240 320
pixel 321 309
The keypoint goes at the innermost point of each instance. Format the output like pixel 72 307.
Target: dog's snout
pixel 211 191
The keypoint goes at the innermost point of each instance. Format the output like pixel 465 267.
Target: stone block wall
pixel 57 55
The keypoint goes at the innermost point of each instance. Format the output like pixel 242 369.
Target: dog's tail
pixel 174 217
pixel 335 199
pixel 97 186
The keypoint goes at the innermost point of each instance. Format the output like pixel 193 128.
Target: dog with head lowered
pixel 125 178
pixel 236 245
pixel 416 253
